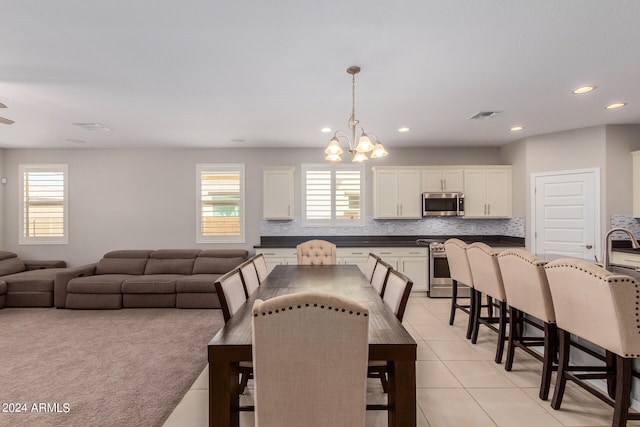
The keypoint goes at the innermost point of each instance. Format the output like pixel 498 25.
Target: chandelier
pixel 359 142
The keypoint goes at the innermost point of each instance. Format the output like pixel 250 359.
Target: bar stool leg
pixel 563 365
pixel 454 301
pixel 472 304
pixel 610 359
pixel 623 391
pixel 514 334
pixel 476 315
pixel 502 331
pixel 550 350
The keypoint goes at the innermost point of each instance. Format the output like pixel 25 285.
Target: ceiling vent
pixel 484 115
pixel 96 127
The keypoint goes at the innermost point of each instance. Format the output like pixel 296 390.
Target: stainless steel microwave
pixel 442 204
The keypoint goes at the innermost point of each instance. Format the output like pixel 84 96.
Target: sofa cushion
pixel 123 262
pixel 10 265
pixel 171 261
pixel 3 287
pixel 198 283
pixel 218 261
pixel 7 254
pixel 151 284
pixel 100 284
pixel 32 281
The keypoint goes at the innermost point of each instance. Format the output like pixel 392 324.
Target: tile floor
pixel 458 383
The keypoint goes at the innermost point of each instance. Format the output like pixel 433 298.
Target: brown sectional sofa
pixel 27 283
pixel 182 278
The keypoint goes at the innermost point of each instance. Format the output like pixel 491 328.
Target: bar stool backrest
pixel 485 270
pixel 456 251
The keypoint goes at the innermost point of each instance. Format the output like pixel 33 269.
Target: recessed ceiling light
pixel 96 127
pixel 325 130
pixel 516 128
pixel 616 105
pixel 404 129
pixel 583 89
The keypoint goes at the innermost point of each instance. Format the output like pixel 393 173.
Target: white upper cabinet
pixel 278 193
pixel 487 192
pixel 396 193
pixel 636 183
pixel 442 180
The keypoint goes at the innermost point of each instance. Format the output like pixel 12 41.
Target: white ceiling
pixel 196 73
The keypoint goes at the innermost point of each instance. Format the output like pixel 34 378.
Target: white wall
pixel 621 141
pixel 146 199
pixel 2 200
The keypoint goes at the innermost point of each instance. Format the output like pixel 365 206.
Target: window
pixel 43 204
pixel 220 203
pixel 332 195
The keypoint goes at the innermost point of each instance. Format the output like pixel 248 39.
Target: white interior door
pixel 566 213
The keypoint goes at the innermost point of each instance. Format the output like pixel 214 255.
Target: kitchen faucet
pixel 607 244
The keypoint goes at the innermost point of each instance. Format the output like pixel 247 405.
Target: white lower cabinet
pixel 413 262
pixel 625 258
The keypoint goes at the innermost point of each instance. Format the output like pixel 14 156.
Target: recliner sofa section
pixel 27 283
pixel 182 278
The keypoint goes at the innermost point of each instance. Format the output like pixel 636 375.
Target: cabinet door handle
pixel 488 209
pixel 414 253
pixel 385 253
pixel 289 209
pixel 268 253
pixel 444 184
pixel 441 185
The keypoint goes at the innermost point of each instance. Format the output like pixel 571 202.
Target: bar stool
pixel 487 279
pixel 527 290
pixel 456 251
pixel 602 308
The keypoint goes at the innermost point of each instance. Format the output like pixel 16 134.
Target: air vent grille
pixel 484 115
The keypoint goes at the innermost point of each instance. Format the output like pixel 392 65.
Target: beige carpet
pixel 127 367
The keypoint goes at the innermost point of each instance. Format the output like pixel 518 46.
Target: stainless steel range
pixel 440 282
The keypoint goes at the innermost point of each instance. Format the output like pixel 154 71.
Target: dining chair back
pixel 231 293
pixel 261 267
pixel 380 275
pixel 310 353
pixel 316 252
pixel 396 292
pixel 600 307
pixel 249 277
pixel 372 261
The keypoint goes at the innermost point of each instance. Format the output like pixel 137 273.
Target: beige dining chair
pixel 396 295
pixel 249 276
pixel 316 252
pixel 527 289
pixel 602 308
pixel 372 261
pixel 310 353
pixel 487 279
pixel 232 294
pixel 261 267
pixel 460 272
pixel 380 275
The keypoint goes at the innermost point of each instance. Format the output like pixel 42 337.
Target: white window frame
pixel 43 240
pixel 333 222
pixel 226 167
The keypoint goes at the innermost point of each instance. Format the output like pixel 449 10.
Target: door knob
pixel 589 246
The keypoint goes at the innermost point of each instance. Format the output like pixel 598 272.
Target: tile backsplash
pixel 625 221
pixel 513 227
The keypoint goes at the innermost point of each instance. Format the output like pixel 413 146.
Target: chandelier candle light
pixel 360 146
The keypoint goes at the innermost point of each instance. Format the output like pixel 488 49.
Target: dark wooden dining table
pixel 388 340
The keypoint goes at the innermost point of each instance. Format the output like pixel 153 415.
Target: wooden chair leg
pixel 489 306
pixel 476 316
pixel 472 305
pixel 502 331
pixel 454 301
pixel 514 334
pixel 610 360
pixel 550 349
pixel 563 365
pixel 623 391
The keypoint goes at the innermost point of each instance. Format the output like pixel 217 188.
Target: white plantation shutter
pixel 43 204
pixel 332 195
pixel 220 203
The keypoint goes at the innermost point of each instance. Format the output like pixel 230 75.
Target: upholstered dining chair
pixel 460 271
pixel 380 275
pixel 261 267
pixel 396 295
pixel 487 279
pixel 310 354
pixel 602 308
pixel 232 294
pixel 249 276
pixel 316 252
pixel 372 261
pixel 527 289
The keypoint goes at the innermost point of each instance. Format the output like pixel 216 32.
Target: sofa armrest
pixel 37 265
pixel 63 278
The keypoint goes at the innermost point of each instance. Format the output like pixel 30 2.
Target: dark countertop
pixel 384 241
pixel 624 246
